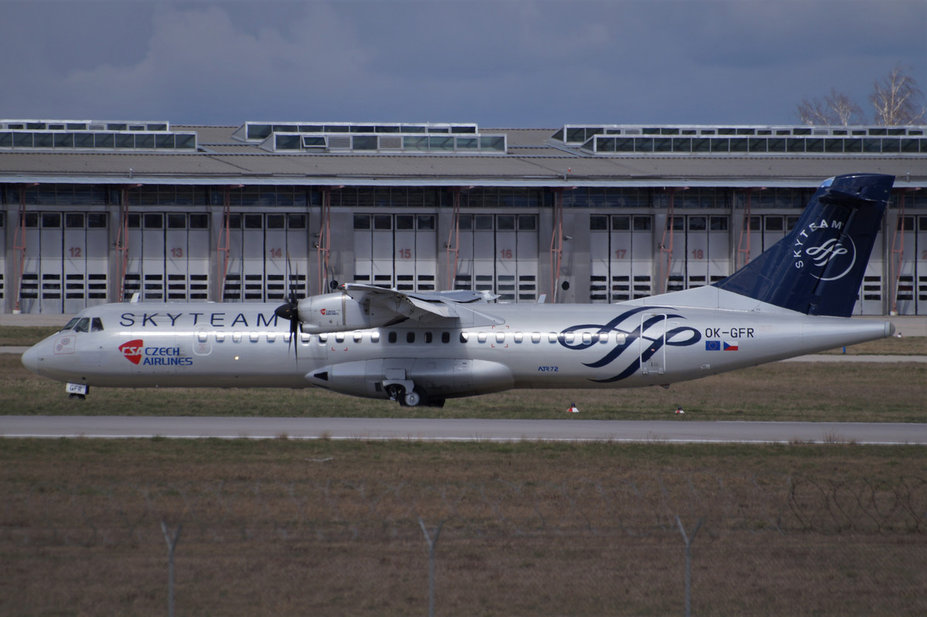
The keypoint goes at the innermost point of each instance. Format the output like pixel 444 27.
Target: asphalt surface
pixel 679 430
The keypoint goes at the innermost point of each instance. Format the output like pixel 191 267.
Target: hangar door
pixel 700 251
pixel 2 257
pixel 910 261
pixel 498 253
pixel 65 269
pixel 167 256
pixel 268 256
pixel 396 250
pixel 621 250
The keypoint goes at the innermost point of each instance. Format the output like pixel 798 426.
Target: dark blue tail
pixel 817 268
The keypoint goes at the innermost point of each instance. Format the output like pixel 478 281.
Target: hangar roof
pixel 446 154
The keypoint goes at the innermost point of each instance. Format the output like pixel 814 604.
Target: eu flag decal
pixel 730 346
pixel 712 345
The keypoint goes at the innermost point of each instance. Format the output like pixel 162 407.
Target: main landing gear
pixel 407 395
pixel 404 393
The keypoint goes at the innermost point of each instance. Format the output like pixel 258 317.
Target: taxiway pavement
pixel 678 430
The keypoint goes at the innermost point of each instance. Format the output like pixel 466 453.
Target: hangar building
pixel 97 211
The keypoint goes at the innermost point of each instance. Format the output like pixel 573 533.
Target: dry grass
pixel 282 527
pixel 782 391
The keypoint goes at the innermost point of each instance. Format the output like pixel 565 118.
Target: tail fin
pixel 817 268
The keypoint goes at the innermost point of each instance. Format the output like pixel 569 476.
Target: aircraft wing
pixel 412 305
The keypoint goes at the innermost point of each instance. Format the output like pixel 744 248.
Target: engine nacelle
pixel 339 312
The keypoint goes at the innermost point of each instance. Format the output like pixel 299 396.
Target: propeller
pixel 290 312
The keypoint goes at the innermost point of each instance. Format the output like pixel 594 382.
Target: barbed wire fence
pixel 513 547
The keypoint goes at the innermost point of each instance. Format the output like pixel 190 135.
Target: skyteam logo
pixel 821 246
pixel 636 330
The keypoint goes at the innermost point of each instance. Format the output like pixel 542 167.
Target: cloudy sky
pixel 501 63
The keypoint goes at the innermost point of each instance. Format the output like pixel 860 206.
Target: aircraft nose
pixel 32 358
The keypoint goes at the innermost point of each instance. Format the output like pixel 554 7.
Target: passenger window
pixel 518 337
pixel 358 336
pixel 374 337
pixel 410 337
pixel 500 337
pixel 481 337
pixel 83 325
pixel 445 337
pixel 535 337
pixel 464 337
pixel 391 337
pixel 428 337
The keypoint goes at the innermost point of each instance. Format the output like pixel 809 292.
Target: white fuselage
pixel 505 346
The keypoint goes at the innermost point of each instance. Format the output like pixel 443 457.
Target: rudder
pixel 818 267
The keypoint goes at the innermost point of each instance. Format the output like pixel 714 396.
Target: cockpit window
pixel 83 325
pixel 96 324
pixel 70 325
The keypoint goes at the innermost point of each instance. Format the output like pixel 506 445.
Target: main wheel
pixel 412 399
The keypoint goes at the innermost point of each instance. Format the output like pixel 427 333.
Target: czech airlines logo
pixel 834 250
pixel 132 350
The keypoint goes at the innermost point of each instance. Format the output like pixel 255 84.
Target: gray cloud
pixel 504 63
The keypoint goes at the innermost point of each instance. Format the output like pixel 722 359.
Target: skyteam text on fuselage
pixel 423 348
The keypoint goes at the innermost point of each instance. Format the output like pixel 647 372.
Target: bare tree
pixel 835 109
pixel 897 99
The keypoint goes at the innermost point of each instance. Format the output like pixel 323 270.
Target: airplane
pixel 424 348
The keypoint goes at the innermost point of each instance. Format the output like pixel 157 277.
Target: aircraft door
pixel 652 343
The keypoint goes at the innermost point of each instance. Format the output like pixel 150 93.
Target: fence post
pixel 171 540
pixel 688 541
pixel 432 545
